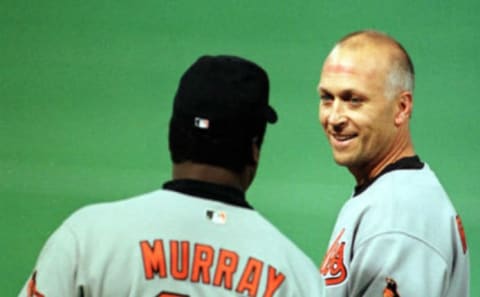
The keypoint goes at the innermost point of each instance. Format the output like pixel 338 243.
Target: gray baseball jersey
pixel 189 239
pixel 398 236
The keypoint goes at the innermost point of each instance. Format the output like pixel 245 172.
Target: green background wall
pixel 86 89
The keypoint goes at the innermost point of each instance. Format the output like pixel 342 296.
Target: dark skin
pixel 218 175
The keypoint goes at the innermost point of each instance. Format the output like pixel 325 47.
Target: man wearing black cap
pixel 198 236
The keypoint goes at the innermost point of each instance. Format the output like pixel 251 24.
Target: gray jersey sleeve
pixel 57 263
pixel 417 268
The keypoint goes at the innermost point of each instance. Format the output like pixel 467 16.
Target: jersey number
pixel 170 294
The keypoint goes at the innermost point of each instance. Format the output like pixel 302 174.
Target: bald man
pixel 399 234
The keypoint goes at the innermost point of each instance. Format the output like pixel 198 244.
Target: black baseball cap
pixel 223 95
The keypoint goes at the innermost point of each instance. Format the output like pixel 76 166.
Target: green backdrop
pixel 86 90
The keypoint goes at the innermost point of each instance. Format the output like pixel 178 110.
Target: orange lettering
pixel 273 282
pixel 202 262
pixel 461 232
pixel 182 273
pixel 153 258
pixel 226 267
pixel 32 287
pixel 250 277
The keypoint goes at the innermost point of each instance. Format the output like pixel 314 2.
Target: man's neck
pixel 209 173
pixel 370 171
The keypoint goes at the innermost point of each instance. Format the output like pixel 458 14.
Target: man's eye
pixel 355 100
pixel 326 97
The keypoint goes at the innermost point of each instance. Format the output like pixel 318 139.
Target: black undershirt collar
pixel 208 190
pixel 404 163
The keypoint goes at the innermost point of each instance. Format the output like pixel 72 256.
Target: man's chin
pixel 343 160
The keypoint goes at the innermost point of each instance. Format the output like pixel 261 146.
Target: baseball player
pixel 198 235
pixel 399 234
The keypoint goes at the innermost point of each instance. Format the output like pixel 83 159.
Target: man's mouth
pixel 341 141
pixel 343 137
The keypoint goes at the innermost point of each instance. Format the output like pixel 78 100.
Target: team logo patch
pixel 217 216
pixel 32 287
pixel 391 288
pixel 461 232
pixel 333 266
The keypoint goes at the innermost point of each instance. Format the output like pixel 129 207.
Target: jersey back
pixel 170 244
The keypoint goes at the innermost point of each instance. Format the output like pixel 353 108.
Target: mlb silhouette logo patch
pixel 202 123
pixel 217 216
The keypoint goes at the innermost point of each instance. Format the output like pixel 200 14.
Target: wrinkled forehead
pixel 366 61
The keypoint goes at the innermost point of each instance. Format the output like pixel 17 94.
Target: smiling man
pixel 398 235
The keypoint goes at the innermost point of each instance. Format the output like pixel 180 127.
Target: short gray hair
pixel 401 76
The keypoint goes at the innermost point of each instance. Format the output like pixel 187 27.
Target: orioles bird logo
pixel 391 288
pixel 333 267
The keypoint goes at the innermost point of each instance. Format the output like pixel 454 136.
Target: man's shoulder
pixel 408 184
pixel 409 202
pixel 408 192
pixel 104 211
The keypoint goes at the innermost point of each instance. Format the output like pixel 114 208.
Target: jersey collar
pixel 404 163
pixel 207 190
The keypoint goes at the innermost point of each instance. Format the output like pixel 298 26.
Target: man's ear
pixel 404 108
pixel 255 153
pixel 251 167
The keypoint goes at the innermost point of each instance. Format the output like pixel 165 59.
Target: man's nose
pixel 337 118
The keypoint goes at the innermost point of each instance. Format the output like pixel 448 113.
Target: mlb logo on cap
pixel 218 94
pixel 202 123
